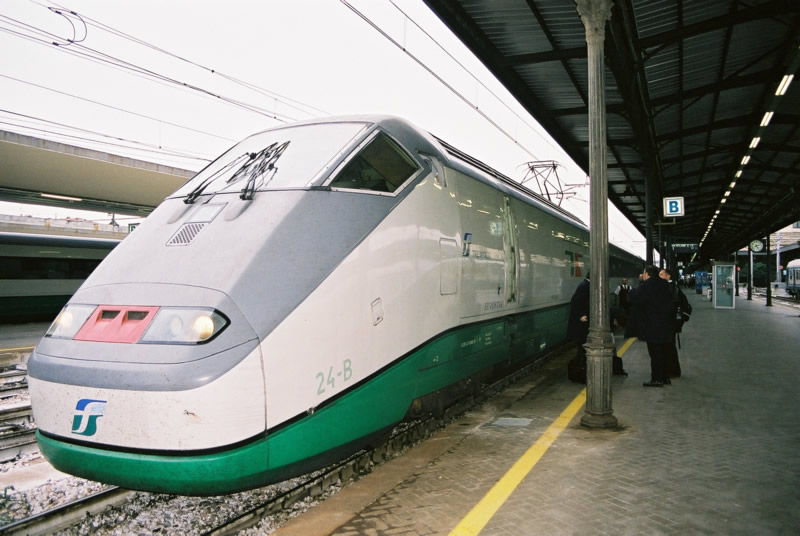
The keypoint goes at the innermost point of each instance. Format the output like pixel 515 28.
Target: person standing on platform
pixel 578 329
pixel 652 312
pixel 672 366
pixel 621 296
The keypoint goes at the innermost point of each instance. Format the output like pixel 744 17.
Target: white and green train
pixel 299 297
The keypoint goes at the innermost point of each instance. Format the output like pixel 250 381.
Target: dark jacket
pixel 579 306
pixel 652 312
pixel 684 311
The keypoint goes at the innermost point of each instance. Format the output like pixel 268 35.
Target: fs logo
pixel 87 411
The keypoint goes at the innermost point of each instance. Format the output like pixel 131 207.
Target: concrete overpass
pixel 39 171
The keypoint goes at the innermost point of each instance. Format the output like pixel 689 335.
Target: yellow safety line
pixel 624 347
pixel 480 515
pixel 20 349
pixel 482 512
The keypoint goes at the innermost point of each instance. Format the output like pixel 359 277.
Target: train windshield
pixel 291 157
pixel 380 165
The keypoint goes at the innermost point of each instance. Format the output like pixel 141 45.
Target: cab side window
pixel 381 166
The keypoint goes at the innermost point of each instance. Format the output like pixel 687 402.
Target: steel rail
pixel 69 514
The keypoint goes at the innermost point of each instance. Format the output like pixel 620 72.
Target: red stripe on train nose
pixel 114 323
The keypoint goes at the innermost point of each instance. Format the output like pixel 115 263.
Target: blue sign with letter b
pixel 673 206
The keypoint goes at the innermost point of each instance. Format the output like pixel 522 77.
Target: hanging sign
pixel 673 206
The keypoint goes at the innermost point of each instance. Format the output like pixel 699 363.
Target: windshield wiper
pixel 260 164
pixel 255 165
pixel 198 190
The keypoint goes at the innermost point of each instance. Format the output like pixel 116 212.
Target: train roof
pixel 399 128
pixel 415 138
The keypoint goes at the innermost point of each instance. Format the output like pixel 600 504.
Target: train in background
pixel 40 272
pixel 793 278
pixel 304 293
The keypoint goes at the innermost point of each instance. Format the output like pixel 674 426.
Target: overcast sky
pixel 178 82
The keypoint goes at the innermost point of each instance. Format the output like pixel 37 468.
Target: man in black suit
pixel 654 311
pixel 578 323
pixel 672 365
pixel 578 329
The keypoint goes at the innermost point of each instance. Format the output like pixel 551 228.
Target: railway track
pixel 14 357
pixel 69 514
pixel 17 431
pixel 17 441
pixel 13 381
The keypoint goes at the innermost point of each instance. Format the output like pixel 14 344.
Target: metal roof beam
pixel 544 57
pixel 464 27
pixel 774 9
pixel 731 82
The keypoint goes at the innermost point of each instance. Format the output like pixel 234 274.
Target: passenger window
pixel 381 166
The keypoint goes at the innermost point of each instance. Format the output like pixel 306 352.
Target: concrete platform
pixel 714 453
pixel 22 335
pixel 17 341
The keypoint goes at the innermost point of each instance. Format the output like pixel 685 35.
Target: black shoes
pixel 657 383
pixel 620 373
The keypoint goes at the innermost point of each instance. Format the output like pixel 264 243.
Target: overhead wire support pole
pixel 750 273
pixel 769 285
pixel 600 342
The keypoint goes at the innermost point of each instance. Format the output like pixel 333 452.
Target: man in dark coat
pixel 654 311
pixel 578 330
pixel 672 365
pixel 578 323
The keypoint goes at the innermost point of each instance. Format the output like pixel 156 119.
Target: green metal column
pixel 600 343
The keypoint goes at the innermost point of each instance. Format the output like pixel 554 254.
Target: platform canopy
pixel 689 87
pixel 38 171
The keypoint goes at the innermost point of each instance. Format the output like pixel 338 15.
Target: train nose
pixel 178 368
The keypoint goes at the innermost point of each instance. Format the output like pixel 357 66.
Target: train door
pixel 483 245
pixel 510 252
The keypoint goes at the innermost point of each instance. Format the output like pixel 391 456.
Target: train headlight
pixel 178 325
pixel 69 321
pixel 203 327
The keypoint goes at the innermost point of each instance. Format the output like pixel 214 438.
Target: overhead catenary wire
pixel 287 101
pixel 441 80
pixel 123 110
pixel 280 98
pixel 95 55
pixel 74 29
pixel 472 75
pixel 49 39
pixel 90 53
